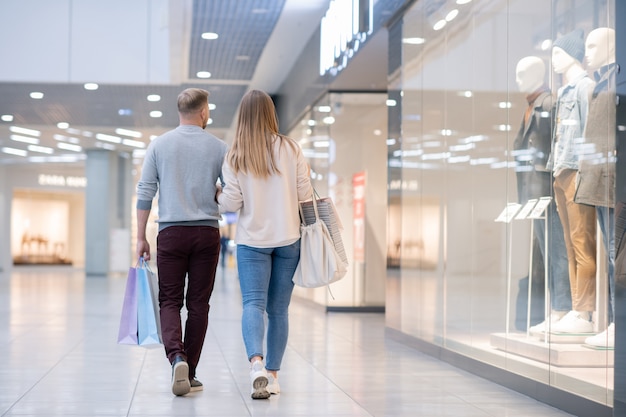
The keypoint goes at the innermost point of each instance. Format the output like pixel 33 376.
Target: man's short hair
pixel 192 99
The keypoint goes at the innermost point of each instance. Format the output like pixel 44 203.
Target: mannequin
pixel 578 220
pixel 596 170
pixel 532 148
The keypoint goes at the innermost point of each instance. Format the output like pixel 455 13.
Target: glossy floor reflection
pixel 58 334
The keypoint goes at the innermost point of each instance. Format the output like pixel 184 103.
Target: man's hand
pixel 143 249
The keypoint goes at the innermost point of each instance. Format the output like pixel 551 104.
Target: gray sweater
pixel 183 165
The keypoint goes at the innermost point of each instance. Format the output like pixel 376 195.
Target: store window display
pixel 578 220
pixel 532 149
pixel 596 172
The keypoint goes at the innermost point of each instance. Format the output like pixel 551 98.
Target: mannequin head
pixel 529 74
pixel 600 48
pixel 568 51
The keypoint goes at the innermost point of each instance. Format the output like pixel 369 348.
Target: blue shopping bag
pixel 148 322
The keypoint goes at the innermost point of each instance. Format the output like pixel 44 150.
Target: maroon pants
pixel 190 252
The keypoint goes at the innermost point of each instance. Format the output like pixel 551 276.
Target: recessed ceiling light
pixel 36 95
pixel 209 35
pixel 24 131
pixel 13 151
pixel 91 86
pixel 453 13
pixel 24 139
pixel 69 147
pixel 127 132
pixel 203 74
pixel 209 122
pixel 414 41
pixel 7 117
pixel 133 143
pixel 463 1
pixel 108 138
pixel 154 97
pixel 40 149
pixel 212 106
pixel 125 112
pixel 156 114
pixel 440 24
pixel 63 125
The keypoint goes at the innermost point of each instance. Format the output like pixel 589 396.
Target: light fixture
pixel 212 106
pixel 36 95
pixel 329 120
pixel 390 103
pixel 451 15
pixel 69 147
pixel 203 74
pixel 7 117
pixel 154 97
pixel 90 86
pixel 463 1
pixel 24 131
pixel 505 104
pixel 413 41
pixel 13 151
pixel 133 143
pixel 324 109
pixel 40 149
pixel 440 24
pixel 63 125
pixel 24 139
pixel 156 114
pixel 210 35
pixel 126 132
pixel 108 138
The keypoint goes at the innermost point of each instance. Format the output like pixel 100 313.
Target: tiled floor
pixel 59 354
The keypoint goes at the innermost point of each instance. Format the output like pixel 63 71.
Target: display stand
pixel 537 213
pixel 506 216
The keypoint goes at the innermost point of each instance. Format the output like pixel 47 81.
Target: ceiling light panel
pixel 227 18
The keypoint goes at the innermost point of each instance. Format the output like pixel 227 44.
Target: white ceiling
pixel 133 48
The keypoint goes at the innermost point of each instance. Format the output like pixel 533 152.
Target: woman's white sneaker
pixel 258 378
pixel 272 385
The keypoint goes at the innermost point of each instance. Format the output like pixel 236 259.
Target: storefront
pixel 472 271
pixel 498 99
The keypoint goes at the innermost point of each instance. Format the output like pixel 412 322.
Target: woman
pixel 266 177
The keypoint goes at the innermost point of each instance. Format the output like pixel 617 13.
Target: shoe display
pixel 550 321
pixel 573 322
pixel 606 339
pixel 258 378
pixel 195 385
pixel 272 384
pixel 180 376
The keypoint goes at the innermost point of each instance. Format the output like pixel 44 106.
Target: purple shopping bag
pixel 128 323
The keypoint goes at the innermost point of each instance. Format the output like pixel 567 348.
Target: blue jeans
pixel 265 277
pixel 606 218
pixel 558 269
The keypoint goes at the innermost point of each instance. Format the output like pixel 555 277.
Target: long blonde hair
pixel 256 133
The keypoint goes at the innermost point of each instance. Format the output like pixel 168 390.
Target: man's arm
pixel 143 247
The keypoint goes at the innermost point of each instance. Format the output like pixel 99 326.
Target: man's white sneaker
pixel 547 324
pixel 258 378
pixel 574 322
pixel 606 339
pixel 272 385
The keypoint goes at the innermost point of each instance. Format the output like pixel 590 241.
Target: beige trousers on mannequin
pixel 579 228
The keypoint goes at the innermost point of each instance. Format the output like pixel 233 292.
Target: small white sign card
pixel 540 208
pixel 508 213
pixel 523 213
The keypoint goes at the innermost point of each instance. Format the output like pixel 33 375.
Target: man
pixel 183 165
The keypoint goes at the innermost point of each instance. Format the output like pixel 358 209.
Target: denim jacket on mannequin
pixel 572 107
